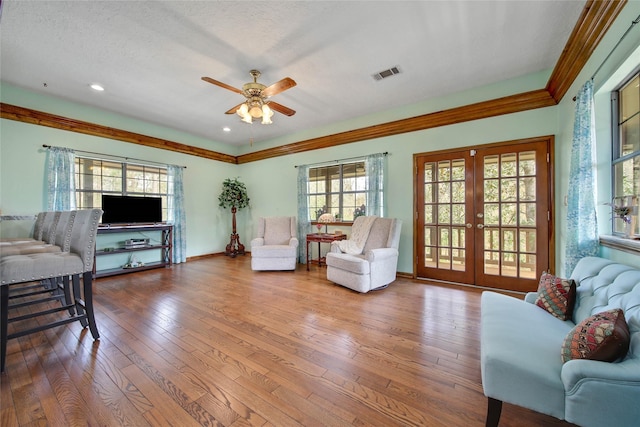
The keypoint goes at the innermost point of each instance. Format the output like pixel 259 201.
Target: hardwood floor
pixel 211 342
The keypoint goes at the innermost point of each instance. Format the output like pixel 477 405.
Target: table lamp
pixel 326 219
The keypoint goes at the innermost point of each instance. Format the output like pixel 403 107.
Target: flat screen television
pixel 131 209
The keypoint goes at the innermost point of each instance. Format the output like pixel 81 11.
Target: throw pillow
pixel 556 295
pixel 603 336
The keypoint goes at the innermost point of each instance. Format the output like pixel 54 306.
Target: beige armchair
pixel 276 245
pixel 375 266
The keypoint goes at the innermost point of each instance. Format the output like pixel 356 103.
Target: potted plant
pixel 234 196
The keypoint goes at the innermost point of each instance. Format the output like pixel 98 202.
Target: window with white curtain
pixel 341 190
pixel 625 164
pixel 95 177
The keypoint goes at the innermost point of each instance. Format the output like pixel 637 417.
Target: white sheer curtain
pixel 303 212
pixel 582 228
pixel 374 168
pixel 61 184
pixel 175 205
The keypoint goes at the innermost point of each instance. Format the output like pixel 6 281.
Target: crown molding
pixel 41 118
pixel 595 20
pixel 509 104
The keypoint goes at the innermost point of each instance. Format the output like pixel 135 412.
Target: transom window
pixel 626 154
pixel 95 177
pixel 340 190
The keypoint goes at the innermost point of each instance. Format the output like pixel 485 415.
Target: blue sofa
pixel 521 345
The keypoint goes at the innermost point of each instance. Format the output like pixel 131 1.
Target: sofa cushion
pixel 277 231
pixel 519 353
pixel 603 336
pixel 354 264
pixel 274 251
pixel 556 295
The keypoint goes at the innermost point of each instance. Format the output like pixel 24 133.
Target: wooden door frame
pixel 549 139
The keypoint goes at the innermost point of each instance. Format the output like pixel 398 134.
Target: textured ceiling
pixel 151 55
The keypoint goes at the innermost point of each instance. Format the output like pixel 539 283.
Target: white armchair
pixel 276 244
pixel 375 267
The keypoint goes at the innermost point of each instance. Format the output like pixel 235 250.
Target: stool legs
pixel 87 277
pixel 82 302
pixel 4 320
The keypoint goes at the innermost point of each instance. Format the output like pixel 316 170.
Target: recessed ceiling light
pixel 226 129
pixel 96 86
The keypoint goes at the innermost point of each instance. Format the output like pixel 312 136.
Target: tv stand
pixel 165 246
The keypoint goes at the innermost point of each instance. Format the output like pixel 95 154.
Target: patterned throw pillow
pixel 556 295
pixel 603 336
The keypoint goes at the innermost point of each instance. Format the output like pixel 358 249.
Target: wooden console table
pixel 321 238
pixel 165 246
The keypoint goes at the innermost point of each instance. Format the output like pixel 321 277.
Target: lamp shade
pixel 326 218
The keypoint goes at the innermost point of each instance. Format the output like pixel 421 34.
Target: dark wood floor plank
pixel 211 342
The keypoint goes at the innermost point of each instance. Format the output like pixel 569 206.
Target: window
pixel 340 190
pixel 626 155
pixel 95 177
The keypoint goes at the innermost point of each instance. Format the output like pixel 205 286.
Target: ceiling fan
pixel 257 103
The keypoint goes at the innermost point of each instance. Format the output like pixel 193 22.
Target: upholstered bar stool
pixel 43 225
pixel 72 267
pixel 61 236
pixel 57 238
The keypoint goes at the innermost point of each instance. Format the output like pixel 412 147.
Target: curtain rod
pixel 114 156
pixel 386 153
pixel 633 24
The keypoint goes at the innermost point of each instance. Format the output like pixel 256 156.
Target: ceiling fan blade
pixel 277 87
pixel 234 109
pixel 224 85
pixel 281 108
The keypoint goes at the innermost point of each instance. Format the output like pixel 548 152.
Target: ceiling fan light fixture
pixel 247 119
pixel 243 112
pixel 266 114
pixel 255 111
pixel 256 98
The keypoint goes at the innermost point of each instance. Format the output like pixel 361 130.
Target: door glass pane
pixel 491 187
pixel 508 265
pixel 490 167
pixel 428 214
pixel 444 213
pixel 508 189
pixel 457 214
pixel 527 189
pixel 527 163
pixel 510 214
pixel 492 263
pixel 457 192
pixel 528 266
pixel 508 164
pixel 527 214
pixel 428 172
pixel 444 192
pixel 457 170
pixel 428 193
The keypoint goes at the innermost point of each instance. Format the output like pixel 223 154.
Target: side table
pixel 321 238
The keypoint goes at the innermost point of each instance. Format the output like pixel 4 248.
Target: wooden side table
pixel 321 238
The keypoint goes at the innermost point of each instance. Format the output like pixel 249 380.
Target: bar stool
pixel 66 268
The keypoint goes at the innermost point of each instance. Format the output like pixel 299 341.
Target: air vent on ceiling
pixel 386 73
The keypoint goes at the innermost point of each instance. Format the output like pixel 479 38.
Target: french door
pixel 483 214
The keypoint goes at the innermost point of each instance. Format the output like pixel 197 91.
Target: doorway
pixel 483 215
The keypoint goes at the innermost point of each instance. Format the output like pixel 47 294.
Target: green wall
pixel 272 182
